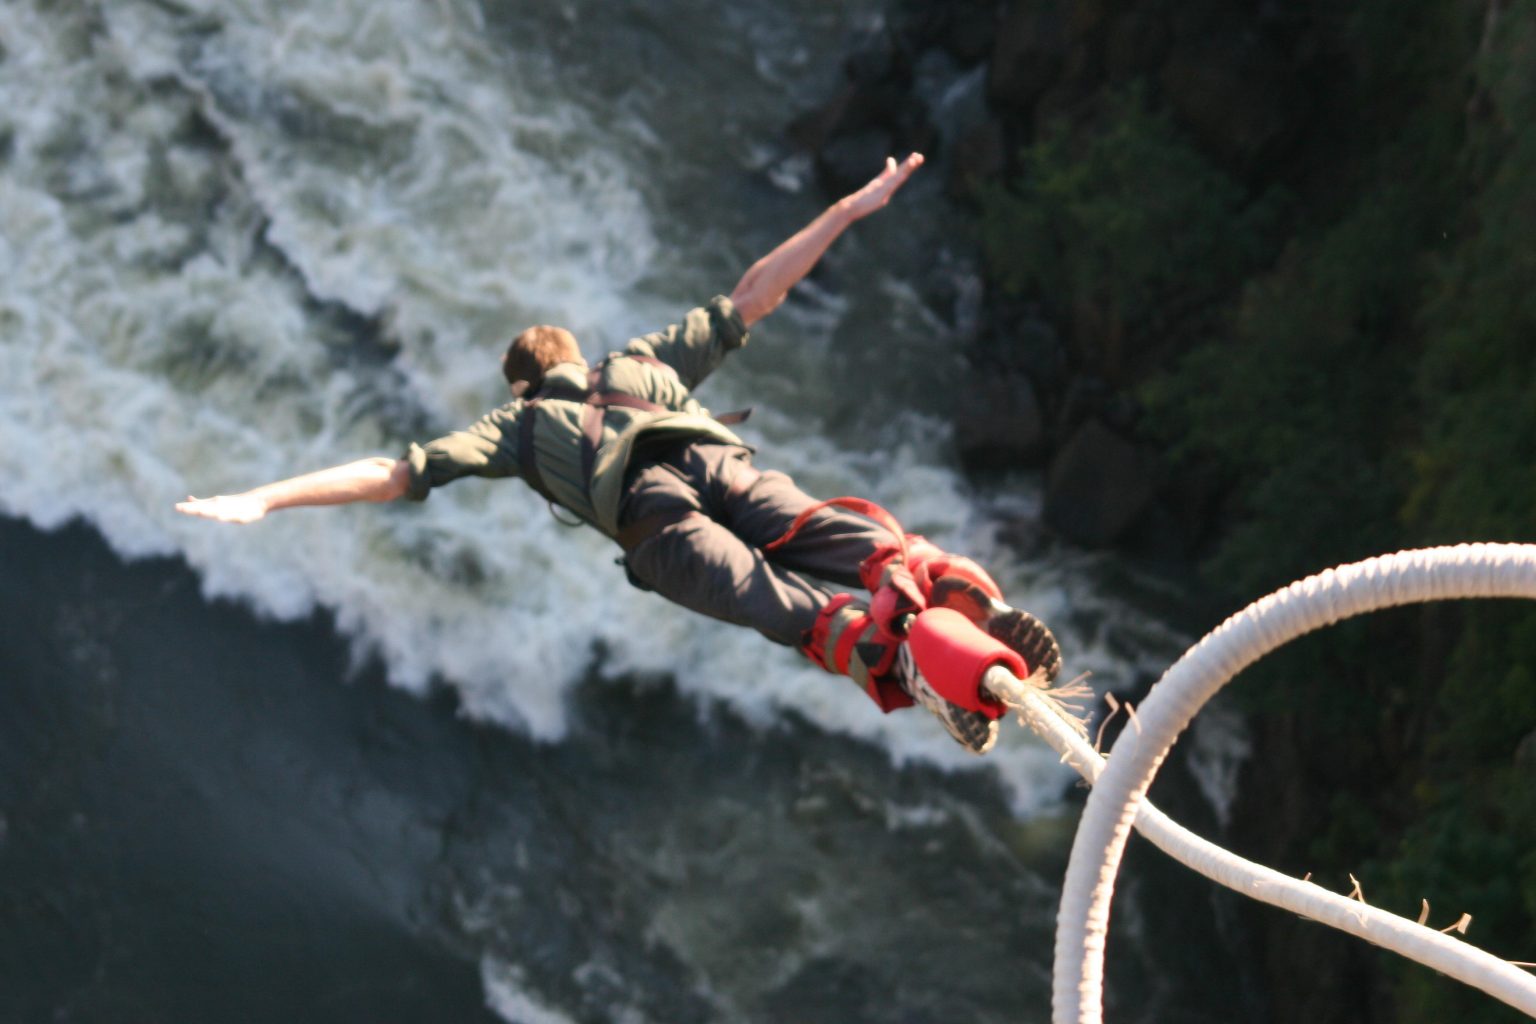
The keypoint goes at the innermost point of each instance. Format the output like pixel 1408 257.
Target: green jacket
pixel 489 446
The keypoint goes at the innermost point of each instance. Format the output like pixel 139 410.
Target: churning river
pixel 426 762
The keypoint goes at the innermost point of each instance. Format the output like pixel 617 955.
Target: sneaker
pixel 971 729
pixel 1018 630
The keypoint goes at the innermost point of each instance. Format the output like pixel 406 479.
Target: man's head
pixel 535 351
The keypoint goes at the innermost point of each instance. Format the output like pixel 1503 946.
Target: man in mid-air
pixel 626 448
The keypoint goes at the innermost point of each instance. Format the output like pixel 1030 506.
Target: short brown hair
pixel 535 351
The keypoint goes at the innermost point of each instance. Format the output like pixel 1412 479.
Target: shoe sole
pixel 1026 636
pixel 971 729
pixel 1015 628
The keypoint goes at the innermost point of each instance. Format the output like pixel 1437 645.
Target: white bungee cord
pixel 1117 800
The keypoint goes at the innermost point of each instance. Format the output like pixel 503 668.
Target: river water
pixel 244 239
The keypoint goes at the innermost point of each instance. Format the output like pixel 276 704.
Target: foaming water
pixel 236 246
pixel 507 993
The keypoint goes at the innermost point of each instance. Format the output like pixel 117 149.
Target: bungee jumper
pixel 625 447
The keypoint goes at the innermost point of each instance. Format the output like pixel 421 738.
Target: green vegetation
pixel 1358 365
pixel 1126 232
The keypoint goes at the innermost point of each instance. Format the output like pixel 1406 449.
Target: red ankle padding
pixel 925 562
pixel 814 643
pixel 847 657
pixel 953 655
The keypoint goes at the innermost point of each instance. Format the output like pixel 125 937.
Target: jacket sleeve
pixel 696 346
pixel 488 448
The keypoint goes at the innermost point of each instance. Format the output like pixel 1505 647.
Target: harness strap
pixel 860 505
pixel 597 402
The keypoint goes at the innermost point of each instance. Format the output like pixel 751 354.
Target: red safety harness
pixel 901 576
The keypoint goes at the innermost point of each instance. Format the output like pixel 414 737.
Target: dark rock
pixel 971 31
pixel 1134 45
pixel 1029 52
pixel 1102 341
pixel 1085 17
pixel 1036 348
pixel 850 160
pixel 1083 397
pixel 1525 753
pixel 913 131
pixel 848 124
pixel 1077 84
pixel 813 130
pixel 875 61
pixel 977 157
pixel 1180 523
pixel 887 103
pixel 1232 90
pixel 964 29
pixel 1000 426
pixel 1120 412
pixel 1098 485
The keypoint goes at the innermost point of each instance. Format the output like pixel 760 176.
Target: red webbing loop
pixel 862 506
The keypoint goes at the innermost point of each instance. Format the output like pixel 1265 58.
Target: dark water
pixel 206 817
pixel 200 822
pixel 238 241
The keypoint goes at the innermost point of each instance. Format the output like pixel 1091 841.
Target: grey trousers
pixel 713 561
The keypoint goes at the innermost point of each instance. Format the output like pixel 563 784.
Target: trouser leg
pixel 713 561
pixel 718 566
pixel 703 566
pixel 759 507
pixel 700 565
pixel 701 561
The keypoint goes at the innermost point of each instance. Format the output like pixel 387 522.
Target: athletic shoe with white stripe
pixel 971 729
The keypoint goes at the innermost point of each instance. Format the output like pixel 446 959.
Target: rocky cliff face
pixel 974 84
pixel 1301 201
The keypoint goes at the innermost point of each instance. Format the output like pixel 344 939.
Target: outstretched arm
pixel 377 479
pixel 765 284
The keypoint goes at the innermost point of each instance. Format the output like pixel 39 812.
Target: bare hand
pixel 225 508
pixel 884 185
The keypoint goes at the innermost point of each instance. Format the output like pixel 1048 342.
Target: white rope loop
pixel 1261 883
pixel 1465 571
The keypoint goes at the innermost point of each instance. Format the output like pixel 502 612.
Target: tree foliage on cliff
pixel 1124 231
pixel 1364 380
